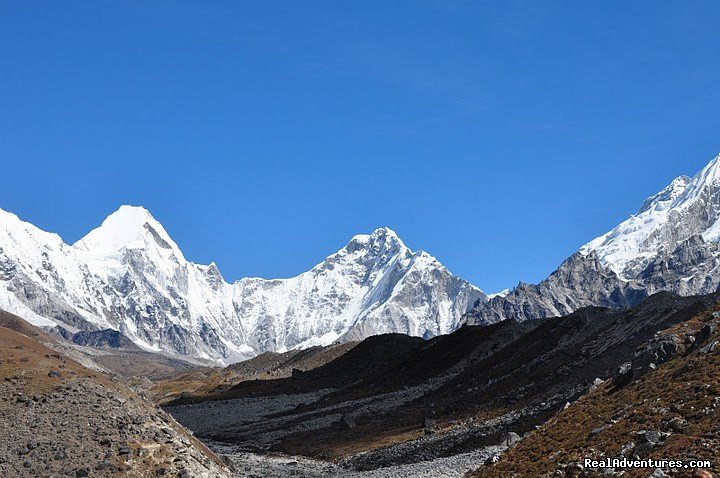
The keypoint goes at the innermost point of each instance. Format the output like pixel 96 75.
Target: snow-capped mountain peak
pixel 129 275
pixel 382 238
pixel 707 179
pixel 687 207
pixel 130 227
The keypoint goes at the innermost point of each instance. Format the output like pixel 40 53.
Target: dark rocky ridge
pixel 580 281
pixel 663 403
pixel 103 338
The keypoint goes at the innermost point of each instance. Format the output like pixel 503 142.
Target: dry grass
pixel 24 357
pixel 602 422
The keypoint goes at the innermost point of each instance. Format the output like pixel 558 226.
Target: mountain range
pixel 128 275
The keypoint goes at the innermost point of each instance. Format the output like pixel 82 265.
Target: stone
pixel 677 424
pixel 627 449
pixel 347 421
pixel 711 347
pixel 511 439
pixel 624 375
pixel 651 436
pixel 644 448
pixel 704 334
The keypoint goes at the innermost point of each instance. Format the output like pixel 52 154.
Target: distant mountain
pixel 129 275
pixel 671 244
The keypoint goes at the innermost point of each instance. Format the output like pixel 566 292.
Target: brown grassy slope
pixel 133 367
pixel 676 399
pixel 57 416
pixel 13 322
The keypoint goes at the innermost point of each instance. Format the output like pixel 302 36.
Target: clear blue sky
pixel 498 136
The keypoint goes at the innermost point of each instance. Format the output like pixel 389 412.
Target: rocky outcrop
pixel 581 281
pixel 103 338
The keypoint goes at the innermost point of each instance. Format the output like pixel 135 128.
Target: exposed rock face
pixel 581 281
pixel 128 275
pixel 103 338
pixel 671 244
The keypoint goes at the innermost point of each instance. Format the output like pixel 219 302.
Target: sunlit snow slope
pixel 129 275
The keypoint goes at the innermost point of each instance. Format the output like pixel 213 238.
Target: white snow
pixel 640 236
pixel 502 293
pixel 129 275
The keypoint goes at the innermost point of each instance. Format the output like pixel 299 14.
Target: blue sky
pixel 498 136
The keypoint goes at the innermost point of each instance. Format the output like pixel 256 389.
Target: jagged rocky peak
pixel 671 244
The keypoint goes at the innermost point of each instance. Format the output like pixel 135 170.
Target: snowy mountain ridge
pixel 129 275
pixel 686 207
pixel 671 244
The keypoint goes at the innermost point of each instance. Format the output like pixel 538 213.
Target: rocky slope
pixel 671 244
pixel 59 418
pixel 394 401
pixel 667 410
pixel 128 275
